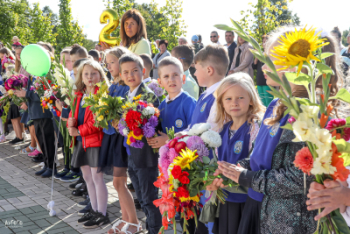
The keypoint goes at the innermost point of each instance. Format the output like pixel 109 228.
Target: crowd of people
pixel 213 83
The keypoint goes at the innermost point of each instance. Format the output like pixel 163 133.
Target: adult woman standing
pixel 243 58
pixel 163 44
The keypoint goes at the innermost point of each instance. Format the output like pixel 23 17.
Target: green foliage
pixel 68 31
pixel 344 37
pixel 88 44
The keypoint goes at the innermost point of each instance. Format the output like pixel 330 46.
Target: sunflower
pixel 297 47
pixel 187 156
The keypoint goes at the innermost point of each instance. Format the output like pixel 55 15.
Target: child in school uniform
pixel 142 163
pixel 238 106
pixel 211 66
pixel 148 63
pixel 185 54
pixel 177 108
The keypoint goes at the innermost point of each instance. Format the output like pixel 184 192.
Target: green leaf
pixel 326 55
pixel 342 95
pixel 342 145
pixel 223 27
pixel 206 160
pixel 302 79
pixel 324 68
pixel 274 77
pixel 348 120
pixel 340 222
pixel 288 126
pixel 258 55
pixel 346 157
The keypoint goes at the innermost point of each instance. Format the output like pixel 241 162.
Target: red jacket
pixel 91 135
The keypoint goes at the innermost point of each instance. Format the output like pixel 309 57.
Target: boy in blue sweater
pixel 177 108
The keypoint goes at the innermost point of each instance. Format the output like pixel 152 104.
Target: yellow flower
pixel 187 156
pixel 131 134
pixel 137 97
pixel 185 199
pixel 297 47
pixel 100 118
pixel 10 92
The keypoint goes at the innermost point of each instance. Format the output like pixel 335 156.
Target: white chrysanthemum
pixel 198 129
pixel 311 111
pixel 148 111
pixel 303 128
pixel 211 138
pixel 3 90
pixel 183 139
pixel 125 132
pixel 322 139
pixel 322 165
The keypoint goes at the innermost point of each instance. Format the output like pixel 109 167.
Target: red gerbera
pixel 182 192
pixel 133 119
pixel 137 131
pixel 176 172
pixel 304 160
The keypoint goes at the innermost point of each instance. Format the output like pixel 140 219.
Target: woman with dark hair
pixel 163 44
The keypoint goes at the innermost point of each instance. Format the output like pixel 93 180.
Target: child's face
pixel 202 74
pixel 236 102
pixel 171 78
pixel 67 61
pixel 91 76
pixel 74 58
pixel 112 65
pixel 131 73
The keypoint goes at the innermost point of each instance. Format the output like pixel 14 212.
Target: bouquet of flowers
pixel 327 152
pixel 139 120
pixel 15 82
pixel 6 61
pixel 104 107
pixel 186 170
pixel 157 90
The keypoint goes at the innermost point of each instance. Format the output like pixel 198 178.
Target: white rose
pixel 125 132
pixel 322 165
pixel 198 129
pixel 303 128
pixel 211 138
pixel 148 111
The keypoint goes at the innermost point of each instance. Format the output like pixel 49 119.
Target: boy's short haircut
pixel 79 50
pixel 147 61
pixel 185 53
pixel 215 56
pixel 79 62
pixel 169 60
pixel 95 54
pixel 216 32
pixel 130 58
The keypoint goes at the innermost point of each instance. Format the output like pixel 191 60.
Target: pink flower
pixel 346 135
pixel 291 120
pixel 334 123
pixel 9 83
pixel 194 140
pixel 172 154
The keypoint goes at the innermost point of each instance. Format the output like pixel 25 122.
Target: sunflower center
pixel 301 47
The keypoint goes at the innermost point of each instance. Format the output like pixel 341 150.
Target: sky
pixel 201 15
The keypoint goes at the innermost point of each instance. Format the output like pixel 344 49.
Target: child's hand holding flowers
pixel 159 141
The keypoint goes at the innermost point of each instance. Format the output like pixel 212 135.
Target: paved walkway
pixel 24 197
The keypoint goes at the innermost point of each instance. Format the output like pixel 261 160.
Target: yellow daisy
pixel 185 199
pixel 137 97
pixel 297 47
pixel 187 156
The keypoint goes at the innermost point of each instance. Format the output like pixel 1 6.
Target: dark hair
pixel 215 32
pixel 79 50
pixel 185 53
pixel 147 61
pixel 336 31
pixel 95 54
pixel 215 56
pixel 130 58
pixel 165 42
pixel 199 37
pixel 79 62
pixel 230 32
pixel 141 31
pixel 47 45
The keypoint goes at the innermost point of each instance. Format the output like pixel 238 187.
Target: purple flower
pixel 137 144
pixel 202 150
pixel 153 86
pixel 16 83
pixel 159 91
pixel 139 108
pixel 148 130
pixel 194 140
pixel 32 88
pixel 153 121
pixel 121 127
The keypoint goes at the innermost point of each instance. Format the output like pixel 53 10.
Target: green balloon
pixel 35 60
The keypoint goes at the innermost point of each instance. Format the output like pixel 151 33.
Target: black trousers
pixel 192 229
pixel 230 216
pixel 45 133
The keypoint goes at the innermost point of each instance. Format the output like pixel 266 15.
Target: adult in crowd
pixel 98 47
pixel 214 37
pixel 182 41
pixel 200 40
pixel 15 41
pixel 163 44
pixel 133 33
pixel 195 44
pixel 231 45
pixel 338 36
pixel 243 58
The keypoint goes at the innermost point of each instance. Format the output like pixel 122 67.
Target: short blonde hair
pixel 245 81
pixel 215 56
pixel 79 79
pixel 169 61
pixel 118 52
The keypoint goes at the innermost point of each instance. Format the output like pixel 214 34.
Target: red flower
pixel 176 172
pixel 182 192
pixel 165 222
pixel 132 140
pixel 162 183
pixel 133 119
pixel 180 146
pixel 172 143
pixel 184 178
pixel 304 160
pixel 137 131
pixel 346 135
pixel 142 103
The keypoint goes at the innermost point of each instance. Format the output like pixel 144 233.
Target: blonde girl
pixel 238 110
pixel 88 143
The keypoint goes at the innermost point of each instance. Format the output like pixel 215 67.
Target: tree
pixel 88 44
pixel 283 14
pixel 68 31
pixel 54 18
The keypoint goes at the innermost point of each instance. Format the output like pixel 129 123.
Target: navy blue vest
pixel 264 147
pixel 202 110
pixel 233 150
pixel 80 120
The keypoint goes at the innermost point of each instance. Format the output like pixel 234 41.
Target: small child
pixel 185 54
pixel 142 163
pixel 176 110
pixel 148 63
pixel 65 53
pixel 87 144
pixel 77 52
pixel 238 106
pixel 95 55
